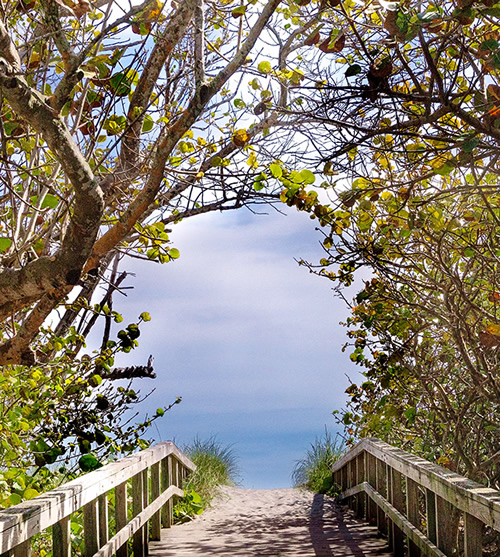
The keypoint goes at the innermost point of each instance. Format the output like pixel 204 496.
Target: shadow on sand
pixel 324 529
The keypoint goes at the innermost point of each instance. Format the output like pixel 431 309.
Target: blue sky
pixel 247 337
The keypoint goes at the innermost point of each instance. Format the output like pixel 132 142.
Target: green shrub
pixel 314 471
pixel 216 465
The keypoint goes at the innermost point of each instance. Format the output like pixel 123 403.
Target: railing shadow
pixel 334 531
pixel 320 528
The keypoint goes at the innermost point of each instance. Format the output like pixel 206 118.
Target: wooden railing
pixel 153 477
pixel 415 503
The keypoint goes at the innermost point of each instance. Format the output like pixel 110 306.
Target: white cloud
pixel 240 330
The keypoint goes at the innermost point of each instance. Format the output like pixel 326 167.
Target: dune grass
pixel 313 471
pixel 216 465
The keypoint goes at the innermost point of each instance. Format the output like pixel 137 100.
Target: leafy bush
pixel 216 465
pixel 314 471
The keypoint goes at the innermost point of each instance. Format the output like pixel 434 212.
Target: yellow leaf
pixel 252 160
pixel 240 138
pixel 493 329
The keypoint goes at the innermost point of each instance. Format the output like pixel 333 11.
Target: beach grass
pixel 314 470
pixel 216 465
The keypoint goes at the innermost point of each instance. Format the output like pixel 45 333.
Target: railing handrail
pixel 466 495
pixel 21 522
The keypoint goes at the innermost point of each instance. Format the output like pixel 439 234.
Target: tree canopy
pixel 403 124
pixel 118 123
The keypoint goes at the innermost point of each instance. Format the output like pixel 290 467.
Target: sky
pixel 250 340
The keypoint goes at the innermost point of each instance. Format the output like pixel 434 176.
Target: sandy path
pixel 276 522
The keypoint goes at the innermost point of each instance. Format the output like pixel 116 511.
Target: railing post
pixel 23 549
pixel 61 538
pixel 412 512
pixel 121 515
pixel 155 493
pixel 138 544
pixel 430 510
pixel 473 536
pixel 396 499
pixel 371 478
pixel 381 485
pixel 145 502
pixel 103 519
pixel 166 482
pixel 360 478
pixel 179 473
pixel 446 526
pixel 353 503
pixel 91 528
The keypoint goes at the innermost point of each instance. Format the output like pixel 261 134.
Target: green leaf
pixel 120 84
pixel 174 253
pixel 239 11
pixel 489 44
pixel 148 124
pixel 30 493
pixel 15 499
pixel 495 60
pixel 264 67
pixel 5 244
pixel 446 169
pixel 410 414
pixel 469 145
pixel 307 176
pixel 276 170
pixel 355 69
pixel 160 412
pixel 89 462
pixel 145 316
pixel 50 201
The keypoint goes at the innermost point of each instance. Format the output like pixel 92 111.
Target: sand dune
pixel 278 522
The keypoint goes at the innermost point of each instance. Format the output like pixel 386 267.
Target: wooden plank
pixel 427 547
pixel 413 513
pixel 360 478
pixel 121 515
pixel 90 529
pixel 479 501
pixel 397 501
pixel 390 524
pixel 61 538
pixel 23 549
pixel 446 526
pixel 155 493
pixel 473 536
pixel 145 503
pixel 381 487
pixel 343 471
pixel 371 478
pixel 430 510
pixel 352 482
pixel 166 481
pixel 138 545
pixel 137 523
pixel 103 519
pixel 21 522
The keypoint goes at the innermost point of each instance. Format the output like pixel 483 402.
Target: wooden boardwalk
pixel 277 522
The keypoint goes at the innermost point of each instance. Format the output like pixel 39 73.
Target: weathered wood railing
pixel 414 502
pixel 153 476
